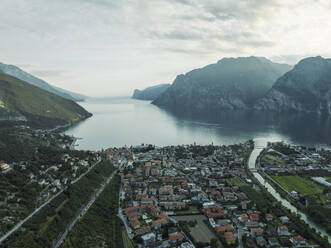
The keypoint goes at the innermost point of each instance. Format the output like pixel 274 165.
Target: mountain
pixel 21 101
pixel 231 83
pixel 75 96
pixel 150 93
pixel 20 74
pixel 306 88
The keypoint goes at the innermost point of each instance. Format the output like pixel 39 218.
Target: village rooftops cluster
pixel 160 184
pixel 284 158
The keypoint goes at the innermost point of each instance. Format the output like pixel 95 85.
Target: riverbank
pixel 252 162
pixel 304 207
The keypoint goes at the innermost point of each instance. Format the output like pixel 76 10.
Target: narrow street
pixel 122 217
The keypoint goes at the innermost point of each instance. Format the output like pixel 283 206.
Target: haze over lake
pixel 124 121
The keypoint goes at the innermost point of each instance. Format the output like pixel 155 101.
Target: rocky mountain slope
pixel 20 74
pixel 150 93
pixel 306 88
pixel 232 83
pixel 20 101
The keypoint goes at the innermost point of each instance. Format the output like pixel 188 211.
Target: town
pixel 202 196
pixel 174 196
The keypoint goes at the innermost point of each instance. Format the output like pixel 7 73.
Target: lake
pixel 124 121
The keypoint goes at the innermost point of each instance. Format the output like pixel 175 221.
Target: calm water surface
pixel 124 121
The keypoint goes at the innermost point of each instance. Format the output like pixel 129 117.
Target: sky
pixel 110 47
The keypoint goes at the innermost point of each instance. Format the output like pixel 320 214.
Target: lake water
pixel 124 121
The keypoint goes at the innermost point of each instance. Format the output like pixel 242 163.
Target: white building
pixel 187 245
pixel 148 239
pixel 209 204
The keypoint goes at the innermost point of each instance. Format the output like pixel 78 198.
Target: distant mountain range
pixel 22 75
pixel 150 93
pixel 21 101
pixel 230 84
pixel 253 83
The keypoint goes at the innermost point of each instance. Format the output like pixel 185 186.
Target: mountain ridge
pixel 150 93
pixel 306 89
pixel 17 72
pixel 21 101
pixel 231 83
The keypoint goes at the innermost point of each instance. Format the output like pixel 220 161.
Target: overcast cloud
pixel 110 47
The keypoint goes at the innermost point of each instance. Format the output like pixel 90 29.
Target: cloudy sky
pixel 109 47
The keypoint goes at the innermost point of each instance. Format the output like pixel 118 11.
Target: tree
pixel 214 242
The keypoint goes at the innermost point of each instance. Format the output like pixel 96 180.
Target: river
pixel 260 144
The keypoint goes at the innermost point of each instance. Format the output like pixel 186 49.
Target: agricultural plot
pixel 272 159
pixel 328 179
pixel 299 184
pixel 200 232
pixel 190 210
pixel 127 243
pixel 312 191
pixel 235 181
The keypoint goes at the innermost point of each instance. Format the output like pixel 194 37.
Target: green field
pixel 314 193
pixel 127 243
pixel 328 178
pixel 200 232
pixel 256 196
pixel 235 181
pixel 299 184
pixel 271 159
pixel 190 210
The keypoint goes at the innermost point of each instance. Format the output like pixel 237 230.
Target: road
pixel 58 127
pixel 77 179
pixel 122 217
pixel 83 211
pixel 73 143
pixel 240 232
pixel 120 210
pixel 18 225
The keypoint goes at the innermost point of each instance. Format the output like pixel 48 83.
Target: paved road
pixel 74 181
pixel 83 211
pixel 58 127
pixel 123 218
pixel 73 143
pixel 18 225
pixel 240 232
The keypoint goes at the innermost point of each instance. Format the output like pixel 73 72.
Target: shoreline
pixel 62 128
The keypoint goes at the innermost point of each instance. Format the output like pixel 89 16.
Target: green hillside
pixel 20 100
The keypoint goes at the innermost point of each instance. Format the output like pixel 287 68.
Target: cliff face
pixel 232 83
pixel 150 93
pixel 306 88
